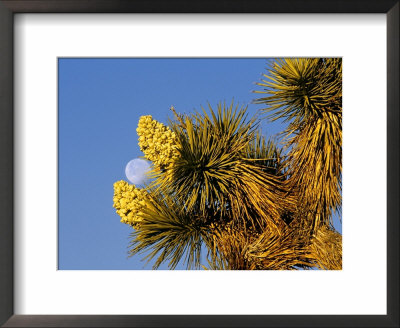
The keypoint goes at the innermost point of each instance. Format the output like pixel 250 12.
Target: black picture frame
pixel 10 7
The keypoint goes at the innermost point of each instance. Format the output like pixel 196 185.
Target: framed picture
pixel 69 80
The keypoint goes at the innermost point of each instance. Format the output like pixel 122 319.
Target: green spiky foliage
pixel 249 203
pixel 225 174
pixel 169 234
pixel 214 171
pixel 307 93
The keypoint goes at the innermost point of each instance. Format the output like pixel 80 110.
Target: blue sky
pixel 100 102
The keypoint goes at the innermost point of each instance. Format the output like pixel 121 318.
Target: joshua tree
pixel 251 203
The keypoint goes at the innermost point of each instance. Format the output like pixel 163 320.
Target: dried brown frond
pixel 314 166
pixel 233 243
pixel 307 92
pixel 326 249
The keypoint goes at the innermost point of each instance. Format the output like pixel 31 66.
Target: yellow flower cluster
pixel 157 142
pixel 129 202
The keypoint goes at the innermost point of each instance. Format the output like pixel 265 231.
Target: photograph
pixel 199 163
pixel 154 148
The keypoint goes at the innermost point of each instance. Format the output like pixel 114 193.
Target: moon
pixel 136 171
